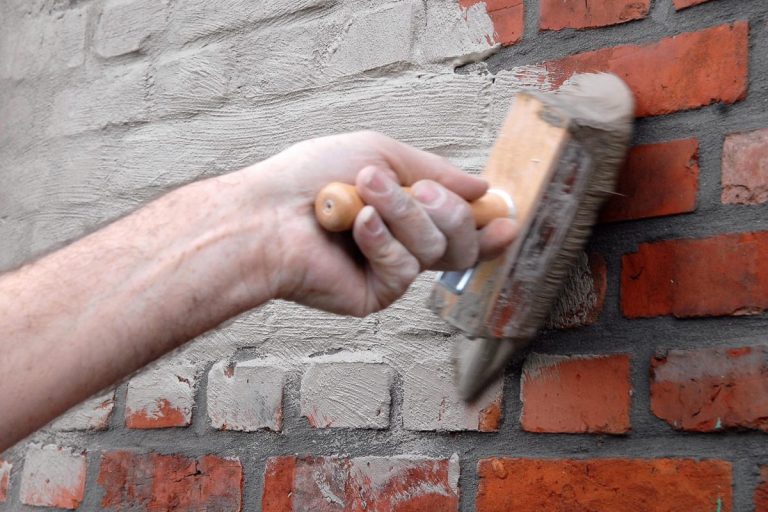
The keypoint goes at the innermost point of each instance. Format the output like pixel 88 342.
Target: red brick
pixel 686 71
pixel 363 484
pixel 507 17
pixel 682 4
pixel 722 275
pixel 560 14
pixel 615 485
pixel 657 180
pixel 761 493
pixel 745 168
pixel 5 476
pixel 711 389
pixel 154 482
pixel 576 394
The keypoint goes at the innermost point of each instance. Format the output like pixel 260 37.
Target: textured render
pixel 338 391
pixel 93 414
pixel 246 395
pixel 53 477
pixel 85 137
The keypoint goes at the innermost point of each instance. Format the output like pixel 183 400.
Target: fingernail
pixel 376 182
pixel 371 220
pixel 428 193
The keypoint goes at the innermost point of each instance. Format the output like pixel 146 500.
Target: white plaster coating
pixel 452 34
pixel 93 414
pixel 431 400
pixel 347 394
pixel 374 39
pixel 43 44
pixel 174 384
pixel 246 395
pixel 50 471
pixel 125 25
pixel 5 473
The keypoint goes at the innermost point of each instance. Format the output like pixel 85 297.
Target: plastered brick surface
pixel 745 168
pixel 161 398
pixel 5 478
pixel 246 395
pixel 93 414
pixel 338 391
pixel 53 476
pixel 125 25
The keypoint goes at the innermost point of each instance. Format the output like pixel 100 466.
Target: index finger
pixel 412 165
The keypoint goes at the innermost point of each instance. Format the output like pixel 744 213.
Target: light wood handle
pixel 337 205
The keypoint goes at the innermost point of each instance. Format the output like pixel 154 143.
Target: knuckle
pixel 433 249
pixel 459 216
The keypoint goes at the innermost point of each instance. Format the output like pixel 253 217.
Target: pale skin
pixel 81 319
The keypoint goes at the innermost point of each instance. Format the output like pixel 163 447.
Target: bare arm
pixel 105 306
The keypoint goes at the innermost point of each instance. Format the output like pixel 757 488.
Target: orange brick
pixel 722 275
pixel 686 71
pixel 657 180
pixel 576 394
pixel 507 17
pixel 560 14
pixel 682 4
pixel 713 389
pixel 615 485
pixel 5 476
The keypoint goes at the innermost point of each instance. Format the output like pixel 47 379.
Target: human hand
pixel 394 238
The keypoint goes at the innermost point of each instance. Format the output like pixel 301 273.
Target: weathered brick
pixel 618 485
pixel 657 180
pixel 507 17
pixel 246 395
pixel 5 478
pixel 431 400
pixel 93 414
pixel 346 391
pixel 44 44
pixel 682 4
pixel 576 394
pixel 126 25
pixel 193 19
pixel 53 477
pixel 761 492
pixel 582 297
pixel 153 482
pixel 161 398
pixel 560 14
pixel 192 82
pixel 362 484
pixel 682 72
pixel 745 168
pixel 117 98
pixel 678 277
pixel 375 38
pixel 707 390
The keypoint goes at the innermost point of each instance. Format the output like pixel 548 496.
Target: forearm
pixel 84 317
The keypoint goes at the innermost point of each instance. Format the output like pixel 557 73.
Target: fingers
pixel 406 219
pixel 412 165
pixel 453 217
pixel 496 237
pixel 393 267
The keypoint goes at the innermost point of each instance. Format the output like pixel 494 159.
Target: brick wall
pixel 649 391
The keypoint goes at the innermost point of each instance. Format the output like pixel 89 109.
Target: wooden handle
pixel 337 205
